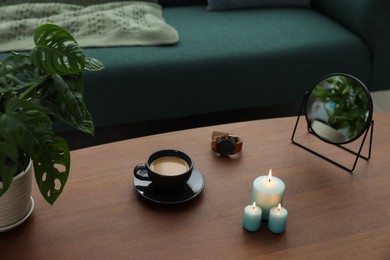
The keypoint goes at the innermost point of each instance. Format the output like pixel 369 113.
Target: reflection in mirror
pixel 339 109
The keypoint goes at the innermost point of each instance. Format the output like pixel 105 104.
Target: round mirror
pixel 339 109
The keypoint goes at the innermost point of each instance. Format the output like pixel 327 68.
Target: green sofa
pixel 237 61
pixel 240 59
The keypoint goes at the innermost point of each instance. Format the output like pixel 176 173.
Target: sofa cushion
pixel 216 5
pixel 223 61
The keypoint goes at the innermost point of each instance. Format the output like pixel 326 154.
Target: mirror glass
pixel 339 109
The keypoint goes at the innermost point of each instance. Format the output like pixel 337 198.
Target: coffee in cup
pixel 166 169
pixel 169 165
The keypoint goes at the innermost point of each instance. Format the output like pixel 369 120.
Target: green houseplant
pixel 37 89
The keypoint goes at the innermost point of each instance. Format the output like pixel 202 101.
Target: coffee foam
pixel 169 165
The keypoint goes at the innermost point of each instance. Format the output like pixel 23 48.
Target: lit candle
pixel 277 219
pixel 252 217
pixel 267 192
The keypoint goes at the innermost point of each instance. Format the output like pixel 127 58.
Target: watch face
pixel 225 147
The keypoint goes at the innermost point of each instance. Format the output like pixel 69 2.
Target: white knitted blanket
pixel 122 23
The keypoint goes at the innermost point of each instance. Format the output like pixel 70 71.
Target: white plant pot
pixel 16 204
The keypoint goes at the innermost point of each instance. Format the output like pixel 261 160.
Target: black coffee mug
pixel 166 169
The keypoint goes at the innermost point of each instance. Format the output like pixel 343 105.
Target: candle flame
pixel 279 209
pixel 254 205
pixel 270 175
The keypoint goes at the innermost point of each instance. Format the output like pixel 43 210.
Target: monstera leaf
pixel 56 51
pixel 52 171
pixel 17 72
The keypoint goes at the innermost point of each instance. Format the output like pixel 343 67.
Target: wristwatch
pixel 226 144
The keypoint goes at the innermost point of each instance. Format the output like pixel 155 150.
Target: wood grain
pixel 332 213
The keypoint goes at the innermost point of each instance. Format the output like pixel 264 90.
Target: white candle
pixel 252 217
pixel 267 192
pixel 277 219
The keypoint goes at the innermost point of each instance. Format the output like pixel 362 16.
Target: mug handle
pixel 141 172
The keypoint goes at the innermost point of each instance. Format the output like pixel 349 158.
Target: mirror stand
pixel 357 153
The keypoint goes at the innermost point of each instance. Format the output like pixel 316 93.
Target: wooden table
pixel 332 214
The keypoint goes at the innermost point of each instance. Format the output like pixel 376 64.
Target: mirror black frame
pixel 369 125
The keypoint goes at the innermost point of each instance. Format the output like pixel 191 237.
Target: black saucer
pixel 192 189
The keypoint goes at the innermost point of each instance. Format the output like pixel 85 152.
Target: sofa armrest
pixel 370 20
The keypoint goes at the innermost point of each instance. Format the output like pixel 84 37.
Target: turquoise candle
pixel 252 217
pixel 267 192
pixel 277 219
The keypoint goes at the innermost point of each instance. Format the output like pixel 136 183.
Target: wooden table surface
pixel 332 214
